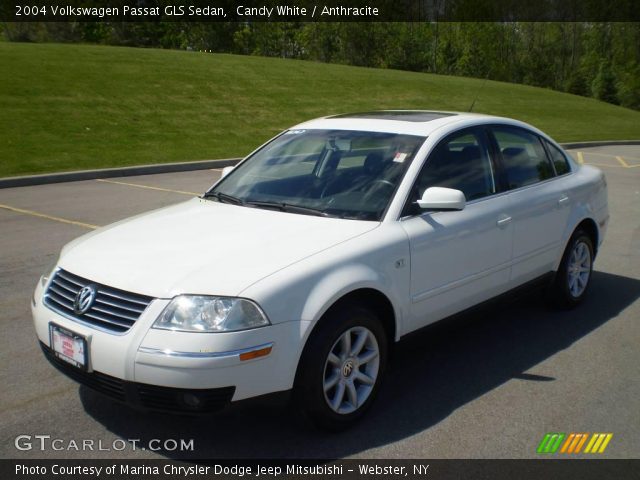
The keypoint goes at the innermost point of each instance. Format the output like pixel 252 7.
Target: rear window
pixel 558 158
pixel 524 158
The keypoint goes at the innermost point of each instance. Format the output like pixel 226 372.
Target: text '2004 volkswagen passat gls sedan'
pixel 304 263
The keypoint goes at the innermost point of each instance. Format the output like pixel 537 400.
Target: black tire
pixel 563 291
pixel 314 368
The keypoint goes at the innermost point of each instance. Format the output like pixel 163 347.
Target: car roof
pixel 410 122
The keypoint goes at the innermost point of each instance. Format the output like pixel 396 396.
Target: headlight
pixel 47 273
pixel 199 313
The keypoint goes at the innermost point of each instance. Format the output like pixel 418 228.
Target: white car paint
pixel 296 267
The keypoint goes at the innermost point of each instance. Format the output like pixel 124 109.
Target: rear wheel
pixel 341 368
pixel 573 276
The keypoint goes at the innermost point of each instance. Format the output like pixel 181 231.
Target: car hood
pixel 202 247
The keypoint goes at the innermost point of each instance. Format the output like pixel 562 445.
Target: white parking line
pixel 148 187
pixel 48 217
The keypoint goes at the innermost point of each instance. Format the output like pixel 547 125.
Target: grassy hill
pixel 70 107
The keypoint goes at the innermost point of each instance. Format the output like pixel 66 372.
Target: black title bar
pixel 325 469
pixel 318 11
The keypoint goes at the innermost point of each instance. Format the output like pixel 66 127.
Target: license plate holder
pixel 69 346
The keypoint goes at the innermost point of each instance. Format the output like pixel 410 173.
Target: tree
pixel 604 85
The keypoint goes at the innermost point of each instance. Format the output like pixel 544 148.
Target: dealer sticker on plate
pixel 68 346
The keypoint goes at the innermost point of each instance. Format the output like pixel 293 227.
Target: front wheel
pixel 573 276
pixel 341 368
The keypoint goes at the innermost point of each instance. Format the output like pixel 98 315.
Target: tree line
pixel 600 60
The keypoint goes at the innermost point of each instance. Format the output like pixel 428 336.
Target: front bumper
pixel 166 370
pixel 143 396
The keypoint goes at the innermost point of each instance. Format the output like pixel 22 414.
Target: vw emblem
pixel 84 299
pixel 347 368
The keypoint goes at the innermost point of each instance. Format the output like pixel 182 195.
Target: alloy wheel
pixel 351 370
pixel 579 269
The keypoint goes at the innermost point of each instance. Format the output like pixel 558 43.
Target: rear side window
pixel 558 158
pixel 523 156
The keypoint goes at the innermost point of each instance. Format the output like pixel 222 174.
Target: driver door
pixel 458 258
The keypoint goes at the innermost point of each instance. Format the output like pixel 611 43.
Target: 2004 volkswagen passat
pixel 304 263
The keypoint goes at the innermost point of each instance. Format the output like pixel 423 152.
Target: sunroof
pixel 401 115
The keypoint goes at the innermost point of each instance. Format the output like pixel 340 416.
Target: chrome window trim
pixel 494 195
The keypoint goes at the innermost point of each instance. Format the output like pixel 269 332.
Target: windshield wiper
pixel 287 207
pixel 224 198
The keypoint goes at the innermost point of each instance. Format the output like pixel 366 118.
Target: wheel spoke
pixel 334 360
pixel 330 382
pixel 584 256
pixel 352 394
pixel 338 396
pixel 367 356
pixel 345 343
pixel 574 258
pixel 364 378
pixel 359 343
pixel 575 290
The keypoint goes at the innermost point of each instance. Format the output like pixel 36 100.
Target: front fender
pixel 338 283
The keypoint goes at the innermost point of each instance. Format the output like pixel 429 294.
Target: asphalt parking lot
pixel 489 385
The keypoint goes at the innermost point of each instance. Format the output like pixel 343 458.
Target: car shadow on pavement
pixel 434 372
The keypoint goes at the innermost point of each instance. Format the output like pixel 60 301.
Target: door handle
pixel 503 222
pixel 562 200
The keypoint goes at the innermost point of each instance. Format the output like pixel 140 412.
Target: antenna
pixel 478 92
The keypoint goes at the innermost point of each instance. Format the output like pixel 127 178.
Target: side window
pixel 461 162
pixel 524 159
pixel 558 158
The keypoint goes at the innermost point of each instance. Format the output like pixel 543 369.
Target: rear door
pixel 538 201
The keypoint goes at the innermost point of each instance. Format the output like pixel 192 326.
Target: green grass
pixel 71 107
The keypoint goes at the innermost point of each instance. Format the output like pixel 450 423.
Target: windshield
pixel 338 173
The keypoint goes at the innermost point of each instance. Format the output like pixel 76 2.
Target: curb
pixel 115 172
pixel 604 143
pixel 197 165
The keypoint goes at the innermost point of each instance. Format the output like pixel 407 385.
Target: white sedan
pixel 301 266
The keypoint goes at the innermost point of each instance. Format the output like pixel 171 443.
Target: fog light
pixel 191 400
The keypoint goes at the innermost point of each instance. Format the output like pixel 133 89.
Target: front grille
pixel 144 396
pixel 113 310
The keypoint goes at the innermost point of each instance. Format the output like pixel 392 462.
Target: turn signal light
pixel 263 352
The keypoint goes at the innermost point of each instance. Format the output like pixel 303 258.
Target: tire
pixel 330 381
pixel 574 275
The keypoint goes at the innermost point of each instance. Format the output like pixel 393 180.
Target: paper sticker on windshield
pixel 294 132
pixel 400 157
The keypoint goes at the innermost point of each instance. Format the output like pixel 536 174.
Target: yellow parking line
pixel 622 162
pixel 609 155
pixel 49 217
pixel 148 187
pixel 580 157
pixel 610 166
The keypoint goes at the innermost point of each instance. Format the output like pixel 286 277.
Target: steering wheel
pixel 326 187
pixel 381 181
pixel 376 185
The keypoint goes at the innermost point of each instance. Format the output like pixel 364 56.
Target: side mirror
pixel 440 198
pixel 226 171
